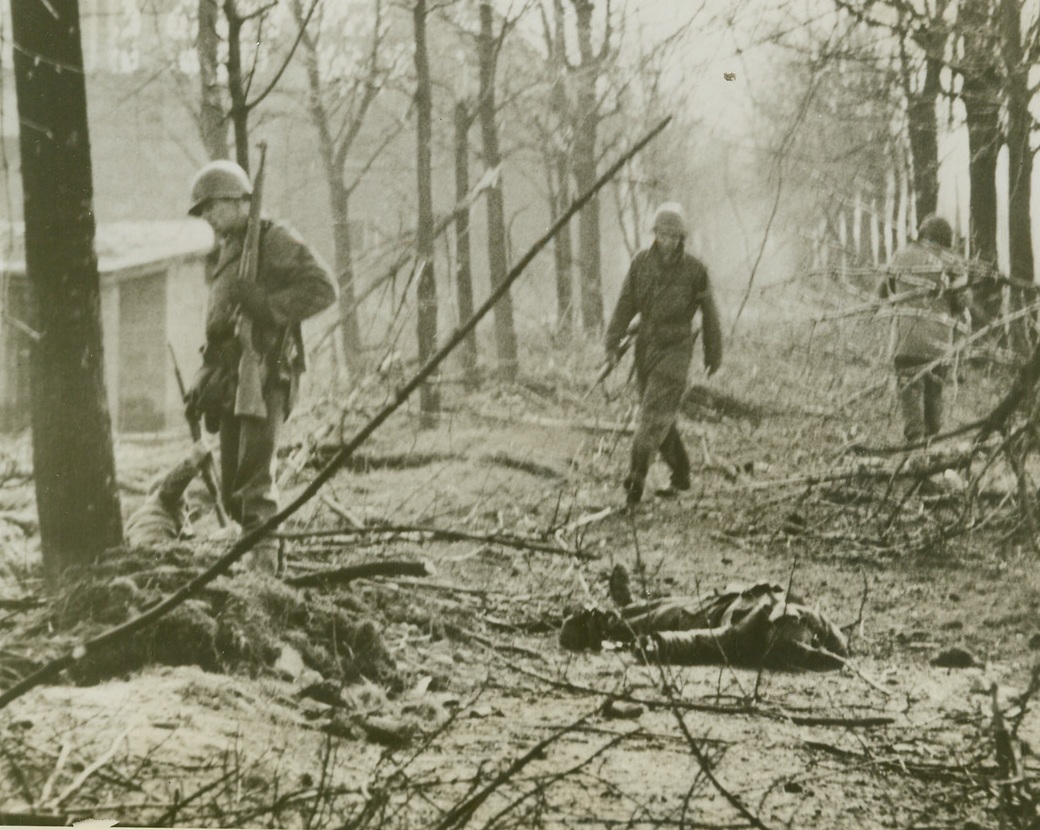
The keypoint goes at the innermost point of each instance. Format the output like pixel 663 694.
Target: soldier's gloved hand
pixel 252 299
pixel 711 368
pixel 205 398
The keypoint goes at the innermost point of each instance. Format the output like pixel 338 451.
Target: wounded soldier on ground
pixel 163 517
pixel 756 626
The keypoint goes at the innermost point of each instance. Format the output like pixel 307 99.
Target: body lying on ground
pixel 756 626
pixel 163 517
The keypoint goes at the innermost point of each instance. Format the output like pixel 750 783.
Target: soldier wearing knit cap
pixel 666 287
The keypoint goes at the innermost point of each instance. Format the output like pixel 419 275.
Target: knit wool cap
pixel 671 218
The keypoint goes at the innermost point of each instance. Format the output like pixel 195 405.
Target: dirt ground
pixel 484 719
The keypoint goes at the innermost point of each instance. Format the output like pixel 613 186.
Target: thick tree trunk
pixel 212 123
pixel 984 144
pixel 981 96
pixel 236 84
pixel 464 270
pixel 923 128
pixel 427 286
pixel 585 140
pixel 73 463
pixel 1020 156
pixel 505 330
pixel 1020 168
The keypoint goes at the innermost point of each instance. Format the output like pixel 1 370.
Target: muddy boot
pixel 633 484
pixel 620 586
pixel 678 461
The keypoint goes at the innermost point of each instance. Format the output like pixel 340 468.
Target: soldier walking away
pixel 933 280
pixel 292 283
pixel 665 286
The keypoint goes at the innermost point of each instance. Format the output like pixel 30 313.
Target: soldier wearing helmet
pixel 292 284
pixel 927 282
pixel 666 287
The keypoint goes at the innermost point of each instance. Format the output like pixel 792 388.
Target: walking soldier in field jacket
pixel 928 282
pixel 292 283
pixel 666 287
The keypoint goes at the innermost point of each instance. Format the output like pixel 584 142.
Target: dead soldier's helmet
pixel 670 218
pixel 220 179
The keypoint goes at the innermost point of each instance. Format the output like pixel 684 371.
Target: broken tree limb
pixel 873 305
pixel 595 426
pixel 364 570
pixel 249 540
pixel 440 534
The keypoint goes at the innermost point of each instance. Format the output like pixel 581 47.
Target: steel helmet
pixel 220 179
pixel 936 230
pixel 670 217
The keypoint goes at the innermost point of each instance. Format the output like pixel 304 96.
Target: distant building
pixel 153 293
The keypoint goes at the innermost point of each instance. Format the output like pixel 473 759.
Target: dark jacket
pixel 294 284
pixel 666 295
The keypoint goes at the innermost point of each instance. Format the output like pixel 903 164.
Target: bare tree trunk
pixel 923 124
pixel 981 96
pixel 505 330
pixel 427 286
pixel 334 162
pixel 212 124
pixel 1020 167
pixel 73 463
pixel 585 139
pixel 1020 156
pixel 350 330
pixel 563 251
pixel 236 84
pixel 464 271
pixel 558 170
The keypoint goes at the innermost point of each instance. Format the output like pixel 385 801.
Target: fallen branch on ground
pixel 923 771
pixel 439 534
pixel 585 425
pixel 365 570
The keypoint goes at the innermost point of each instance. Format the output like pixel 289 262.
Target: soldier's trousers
pixel 920 398
pixel 247 459
pixel 656 431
